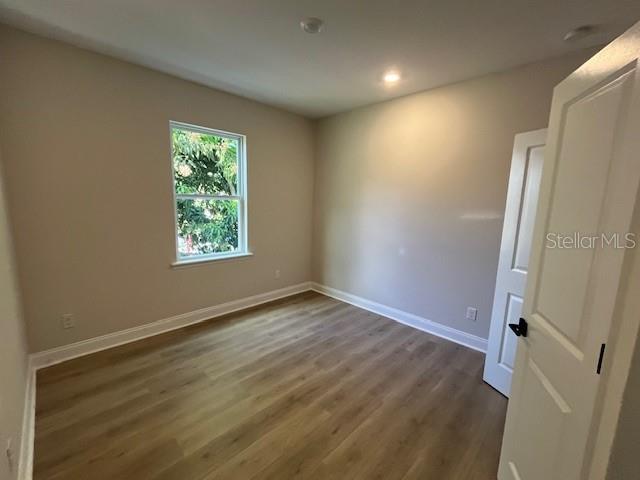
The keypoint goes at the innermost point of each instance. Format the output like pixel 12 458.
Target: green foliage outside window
pixel 205 165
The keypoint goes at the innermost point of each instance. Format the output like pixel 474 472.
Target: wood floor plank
pixel 306 387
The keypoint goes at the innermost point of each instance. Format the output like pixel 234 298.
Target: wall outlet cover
pixel 67 321
pixel 9 452
pixel 472 313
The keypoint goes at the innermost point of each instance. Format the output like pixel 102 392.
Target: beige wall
pixel 86 144
pixel 410 193
pixel 13 348
pixel 408 203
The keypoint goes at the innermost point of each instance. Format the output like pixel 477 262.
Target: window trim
pixel 241 197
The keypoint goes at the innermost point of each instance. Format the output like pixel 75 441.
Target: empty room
pixel 295 239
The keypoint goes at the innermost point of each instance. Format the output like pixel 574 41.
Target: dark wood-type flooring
pixel 305 387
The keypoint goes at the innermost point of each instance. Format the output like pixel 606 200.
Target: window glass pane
pixel 207 226
pixel 204 163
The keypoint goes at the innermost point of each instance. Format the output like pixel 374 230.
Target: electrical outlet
pixel 472 314
pixel 276 274
pixel 67 321
pixel 10 457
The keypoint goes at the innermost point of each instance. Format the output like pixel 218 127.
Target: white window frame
pixel 241 197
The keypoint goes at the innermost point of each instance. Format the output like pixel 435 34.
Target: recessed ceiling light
pixel 579 33
pixel 312 25
pixel 391 77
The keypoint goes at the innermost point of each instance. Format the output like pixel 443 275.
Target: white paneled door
pixel 589 190
pixel 515 248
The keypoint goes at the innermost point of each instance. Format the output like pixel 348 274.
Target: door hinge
pixel 599 368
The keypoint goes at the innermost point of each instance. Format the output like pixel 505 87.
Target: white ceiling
pixel 255 48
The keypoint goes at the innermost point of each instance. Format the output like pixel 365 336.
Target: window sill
pixel 200 261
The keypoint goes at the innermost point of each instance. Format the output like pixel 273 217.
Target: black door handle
pixel 521 328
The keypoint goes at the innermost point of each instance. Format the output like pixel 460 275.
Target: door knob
pixel 520 328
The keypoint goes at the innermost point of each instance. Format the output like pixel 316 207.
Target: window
pixel 210 192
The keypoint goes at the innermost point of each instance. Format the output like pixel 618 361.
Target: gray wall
pixel 13 348
pixel 410 193
pixel 86 143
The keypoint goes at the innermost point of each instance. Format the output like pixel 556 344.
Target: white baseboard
pixel 429 326
pixel 92 345
pixel 67 352
pixel 25 463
